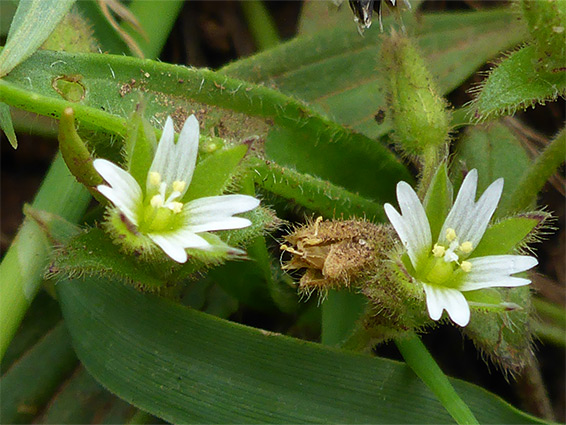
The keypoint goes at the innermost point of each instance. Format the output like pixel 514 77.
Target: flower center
pixel 161 213
pixel 445 261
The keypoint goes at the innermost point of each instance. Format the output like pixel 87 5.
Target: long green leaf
pixel 340 72
pixel 205 369
pixel 33 22
pixel 31 381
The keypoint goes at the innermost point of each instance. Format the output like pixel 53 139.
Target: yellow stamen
pixel 438 250
pixel 450 234
pixel 466 266
pixel 154 178
pixel 179 185
pixel 466 247
pixel 156 201
pixel 176 207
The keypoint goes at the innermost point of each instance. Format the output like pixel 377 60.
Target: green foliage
pixel 6 124
pixel 515 84
pixel 33 22
pixel 546 20
pixel 201 366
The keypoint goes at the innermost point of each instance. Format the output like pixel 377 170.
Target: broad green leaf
pixel 340 72
pixel 515 84
pixel 28 385
pixel 33 22
pixel 114 84
pixel 205 369
pixel 6 125
pixel 495 151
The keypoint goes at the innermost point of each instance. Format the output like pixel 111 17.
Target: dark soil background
pixel 213 33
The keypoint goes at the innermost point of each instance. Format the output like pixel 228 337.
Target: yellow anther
pixel 154 178
pixel 156 201
pixel 438 250
pixel 450 234
pixel 466 266
pixel 179 185
pixel 176 207
pixel 466 247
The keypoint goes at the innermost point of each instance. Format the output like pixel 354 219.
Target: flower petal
pixel 468 218
pixel 124 191
pixel 187 150
pixel 165 153
pixel 451 300
pixel 462 207
pixel 225 224
pixel 483 210
pixel 412 226
pixel 217 207
pixel 175 243
pixel 496 271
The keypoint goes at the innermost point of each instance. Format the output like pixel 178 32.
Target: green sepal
pixel 438 200
pixel 505 236
pixel 139 146
pixel 516 84
pixel 214 173
pixel 505 337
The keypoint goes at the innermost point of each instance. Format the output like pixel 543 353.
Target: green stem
pixel 22 268
pixel 550 333
pixel 419 359
pixel 313 193
pixel 261 24
pixel 550 310
pixel 533 181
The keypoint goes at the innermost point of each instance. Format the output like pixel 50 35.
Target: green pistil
pixel 157 220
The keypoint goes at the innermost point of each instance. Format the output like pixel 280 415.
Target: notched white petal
pixel 462 210
pixel 207 225
pixel 222 206
pixel 165 151
pixel 187 150
pixel 123 190
pixel 412 224
pixel 451 300
pixel 172 249
pixel 496 270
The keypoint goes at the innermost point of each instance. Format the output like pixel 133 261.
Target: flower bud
pixel 419 114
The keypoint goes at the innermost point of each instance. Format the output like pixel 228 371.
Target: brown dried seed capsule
pixel 335 253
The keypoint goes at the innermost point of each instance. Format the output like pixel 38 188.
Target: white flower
pixel 447 268
pixel 158 211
